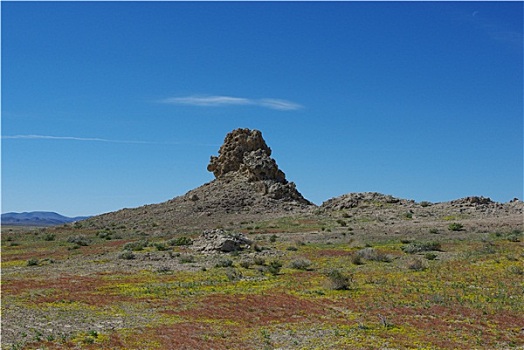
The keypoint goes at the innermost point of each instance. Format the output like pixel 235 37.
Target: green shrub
pixel 418 247
pixel 273 238
pixel 135 246
pixel 374 255
pixel 356 259
pixel 416 264
pixel 300 264
pixel 126 255
pixel 274 267
pixel 339 280
pixel 515 270
pixel 430 256
pixel 341 223
pixel 259 261
pixel 233 275
pixel 515 236
pixel 245 264
pixel 434 231
pixel 258 248
pixel 104 235
pixel 455 226
pixel 32 262
pixel 160 246
pixel 163 269
pixel 80 240
pixel 180 241
pixel 186 258
pixel 224 263
pixel 49 237
pixel 425 204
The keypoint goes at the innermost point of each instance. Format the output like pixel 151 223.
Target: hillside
pixel 248 185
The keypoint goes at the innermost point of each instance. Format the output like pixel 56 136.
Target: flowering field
pixel 72 288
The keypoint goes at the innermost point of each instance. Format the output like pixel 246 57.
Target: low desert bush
pixel 341 223
pixel 32 262
pixel 127 255
pixel 163 269
pixel 160 246
pixel 515 270
pixel 274 267
pixel 135 246
pixel 224 263
pixel 430 256
pixel 416 264
pixel 80 240
pixel 245 264
pixel 455 226
pixel 338 280
pixel 301 264
pixel 104 235
pixel 186 258
pixel 356 259
pixel 180 241
pixel 515 236
pixel 259 261
pixel 418 247
pixel 374 255
pixel 233 275
pixel 49 237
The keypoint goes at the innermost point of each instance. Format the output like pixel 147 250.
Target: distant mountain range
pixel 38 218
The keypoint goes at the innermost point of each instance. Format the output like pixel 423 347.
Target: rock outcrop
pixel 245 154
pixel 248 186
pixel 353 200
pixel 221 241
pixel 244 151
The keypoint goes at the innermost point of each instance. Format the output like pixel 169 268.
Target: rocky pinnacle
pixel 245 154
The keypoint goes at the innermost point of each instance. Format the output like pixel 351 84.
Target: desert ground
pixel 245 262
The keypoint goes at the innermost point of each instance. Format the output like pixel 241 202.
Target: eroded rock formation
pixel 245 154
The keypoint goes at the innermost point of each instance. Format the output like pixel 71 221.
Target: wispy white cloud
pixel 279 104
pixel 70 138
pixel 96 139
pixel 207 100
pixel 217 101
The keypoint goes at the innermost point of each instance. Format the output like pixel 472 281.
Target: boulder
pixel 221 241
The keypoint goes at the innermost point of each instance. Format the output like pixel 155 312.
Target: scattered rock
pixel 474 200
pixel 221 241
pixel 353 200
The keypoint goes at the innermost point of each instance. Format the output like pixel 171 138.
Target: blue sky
pixel 107 105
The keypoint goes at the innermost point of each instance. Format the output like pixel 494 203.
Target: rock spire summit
pixel 245 154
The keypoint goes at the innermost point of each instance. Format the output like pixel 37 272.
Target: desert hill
pixel 249 186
